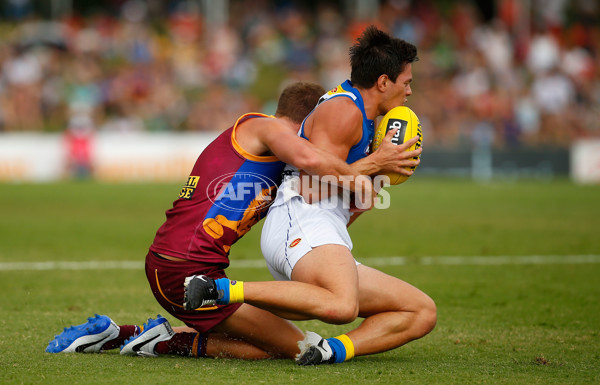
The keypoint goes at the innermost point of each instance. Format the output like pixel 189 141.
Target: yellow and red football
pixel 408 125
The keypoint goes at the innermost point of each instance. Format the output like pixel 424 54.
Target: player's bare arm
pixel 335 126
pixel 278 137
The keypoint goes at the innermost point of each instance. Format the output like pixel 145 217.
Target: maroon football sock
pixel 125 332
pixel 183 344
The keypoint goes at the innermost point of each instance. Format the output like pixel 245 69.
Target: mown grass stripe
pixel 373 261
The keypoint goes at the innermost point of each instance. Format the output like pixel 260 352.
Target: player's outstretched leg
pixel 85 338
pixel 201 290
pixel 153 332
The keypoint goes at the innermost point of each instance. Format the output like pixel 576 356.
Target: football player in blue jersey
pixel 306 243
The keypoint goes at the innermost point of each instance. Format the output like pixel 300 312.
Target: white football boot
pixel 85 338
pixel 153 332
pixel 314 350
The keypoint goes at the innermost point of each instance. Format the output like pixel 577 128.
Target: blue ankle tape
pixel 223 284
pixel 339 350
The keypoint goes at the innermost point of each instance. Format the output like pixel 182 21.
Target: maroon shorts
pixel 166 279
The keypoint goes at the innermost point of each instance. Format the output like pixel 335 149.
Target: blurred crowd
pixel 515 73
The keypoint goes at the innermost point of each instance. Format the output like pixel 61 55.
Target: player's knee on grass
pixel 426 317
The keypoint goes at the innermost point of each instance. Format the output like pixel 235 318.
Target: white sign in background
pixel 585 161
pixel 131 157
pixel 116 157
pixel 147 157
pixel 31 157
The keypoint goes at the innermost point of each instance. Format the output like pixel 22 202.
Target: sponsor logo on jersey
pixel 295 242
pixel 187 192
pixel 336 89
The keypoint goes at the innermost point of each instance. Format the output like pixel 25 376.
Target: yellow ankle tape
pixel 236 292
pixel 348 345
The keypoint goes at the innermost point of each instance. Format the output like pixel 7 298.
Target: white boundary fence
pixel 114 157
pixel 168 157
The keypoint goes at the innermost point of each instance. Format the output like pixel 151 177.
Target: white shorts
pixel 294 228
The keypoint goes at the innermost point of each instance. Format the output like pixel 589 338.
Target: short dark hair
pixel 298 100
pixel 376 53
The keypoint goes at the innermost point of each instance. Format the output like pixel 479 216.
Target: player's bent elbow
pixel 307 162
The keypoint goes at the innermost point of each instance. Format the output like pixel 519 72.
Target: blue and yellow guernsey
pixel 358 151
pixel 227 192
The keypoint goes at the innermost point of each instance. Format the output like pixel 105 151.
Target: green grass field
pixel 504 315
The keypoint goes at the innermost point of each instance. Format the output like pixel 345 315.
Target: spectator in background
pixel 78 139
pixel 162 64
pixel 553 93
pixel 22 73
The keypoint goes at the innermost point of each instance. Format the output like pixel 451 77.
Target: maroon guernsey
pixel 227 192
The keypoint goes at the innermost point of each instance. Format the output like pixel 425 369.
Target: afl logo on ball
pixel 295 242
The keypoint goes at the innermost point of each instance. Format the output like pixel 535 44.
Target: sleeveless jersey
pixel 360 149
pixel 289 187
pixel 227 192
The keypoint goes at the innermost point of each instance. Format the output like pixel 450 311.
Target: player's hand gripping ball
pixel 408 126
